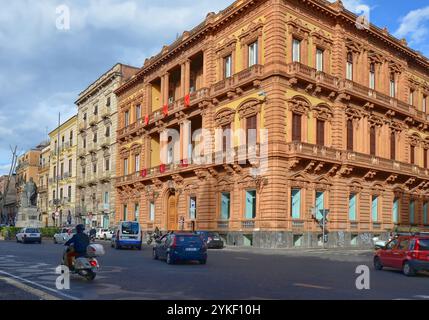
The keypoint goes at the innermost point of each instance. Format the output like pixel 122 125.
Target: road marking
pixel 36 292
pixel 241 258
pixel 305 285
pixel 19 280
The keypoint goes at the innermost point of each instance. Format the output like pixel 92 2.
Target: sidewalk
pixel 281 251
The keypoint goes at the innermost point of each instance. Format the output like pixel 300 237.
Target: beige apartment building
pixel 344 106
pixel 62 174
pixel 97 124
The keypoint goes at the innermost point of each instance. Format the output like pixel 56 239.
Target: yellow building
pixel 62 174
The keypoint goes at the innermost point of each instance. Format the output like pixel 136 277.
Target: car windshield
pixel 214 234
pixel 32 231
pixel 183 239
pixel 130 228
pixel 424 244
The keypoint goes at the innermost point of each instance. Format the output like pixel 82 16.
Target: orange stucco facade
pixel 343 111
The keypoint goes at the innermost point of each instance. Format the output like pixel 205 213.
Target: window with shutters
pixel 372 141
pixel 374 208
pixel 392 85
pixel 296 203
pixel 425 158
pixel 425 213
pixel 296 50
pixel 350 135
pixel 320 136
pixel 395 210
pixel 412 211
pixel 349 67
pixel 319 204
pixel 253 54
pixel 251 130
pixel 225 200
pixel 250 204
pixel 412 154
pixel 227 63
pixel 372 76
pixel 226 138
pixel 352 206
pixel 296 127
pixel 424 104
pixel 319 59
pixel 392 145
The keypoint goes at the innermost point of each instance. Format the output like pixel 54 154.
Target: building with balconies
pixel 97 123
pixel 269 114
pixel 61 176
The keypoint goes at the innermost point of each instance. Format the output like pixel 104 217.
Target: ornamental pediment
pixel 354 46
pixel 252 32
pixel 298 28
pixel 375 57
pixel 249 108
pixel 299 105
pixel 224 117
pixel 227 46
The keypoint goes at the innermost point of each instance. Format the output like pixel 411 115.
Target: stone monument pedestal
pixel 28 218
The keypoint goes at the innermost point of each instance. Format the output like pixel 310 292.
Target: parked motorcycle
pixel 153 237
pixel 87 266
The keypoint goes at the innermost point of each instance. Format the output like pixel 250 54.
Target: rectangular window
pixel 69 193
pixel 395 211
pixel 95 110
pixel 296 127
pixel 225 205
pixel 228 66
pixel 138 112
pixel 425 158
pixel 94 168
pixel 84 143
pixel 136 211
pixel 296 50
pixel 319 60
pixel 137 163
pixel 320 136
pixel 374 208
pixel 152 211
pixel 392 85
pixel 107 133
pixel 193 208
pixel 127 118
pixel 349 67
pixel 106 197
pixel 125 167
pixel 71 138
pixel 250 204
pixel 108 102
pixel 71 167
pixel 107 164
pixel 319 204
pixel 424 104
pixel 425 214
pixel 392 146
pixel 296 203
pixel 61 193
pixel 251 130
pixel 226 138
pixel 372 141
pixel 411 98
pixel 125 212
pixel 372 76
pixel 352 206
pixel 350 135
pixel 412 154
pixel 412 207
pixel 253 54
pixel 62 170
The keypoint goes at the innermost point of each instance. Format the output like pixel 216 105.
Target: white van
pixel 127 234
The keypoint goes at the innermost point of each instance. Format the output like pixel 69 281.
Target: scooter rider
pixel 80 242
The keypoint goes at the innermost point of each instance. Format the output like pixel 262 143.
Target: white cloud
pixel 415 26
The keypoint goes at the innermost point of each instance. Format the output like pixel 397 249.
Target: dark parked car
pixel 407 253
pixel 213 239
pixel 176 247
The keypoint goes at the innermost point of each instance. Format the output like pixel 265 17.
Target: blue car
pixel 176 247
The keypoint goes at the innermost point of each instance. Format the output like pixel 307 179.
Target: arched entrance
pixel 172 217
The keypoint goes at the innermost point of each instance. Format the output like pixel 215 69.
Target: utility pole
pixel 57 201
pixel 11 172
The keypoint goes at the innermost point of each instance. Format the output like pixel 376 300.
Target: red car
pixel 407 253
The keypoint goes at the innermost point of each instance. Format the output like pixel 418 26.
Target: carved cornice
pixel 322 112
pixel 299 105
pixel 249 108
pixel 227 48
pixel 298 29
pixel 251 33
pixel 224 117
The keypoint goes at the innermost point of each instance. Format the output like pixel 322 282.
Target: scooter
pixel 87 266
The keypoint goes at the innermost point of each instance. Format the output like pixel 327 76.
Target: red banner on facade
pixel 144 173
pixel 162 168
pixel 187 100
pixel 146 120
pixel 165 110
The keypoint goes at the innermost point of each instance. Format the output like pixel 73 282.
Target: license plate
pixel 191 249
pixel 33 235
pixel 216 239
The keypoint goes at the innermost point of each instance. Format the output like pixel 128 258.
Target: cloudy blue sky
pixel 43 69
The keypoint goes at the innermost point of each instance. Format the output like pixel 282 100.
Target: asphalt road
pixel 229 274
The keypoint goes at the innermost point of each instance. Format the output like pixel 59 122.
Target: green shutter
pixel 396 210
pixel 296 203
pixel 425 213
pixel 320 198
pixel 250 204
pixel 412 206
pixel 225 206
pixel 374 208
pixel 352 207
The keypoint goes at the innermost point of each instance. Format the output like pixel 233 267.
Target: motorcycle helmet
pixel 80 228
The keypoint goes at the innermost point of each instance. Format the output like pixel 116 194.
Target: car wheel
pixel 408 270
pixel 169 260
pixel 377 264
pixel 90 276
pixel 154 254
pixel 204 261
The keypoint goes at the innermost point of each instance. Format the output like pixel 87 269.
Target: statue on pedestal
pixel 29 196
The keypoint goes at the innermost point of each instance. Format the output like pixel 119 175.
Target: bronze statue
pixel 30 190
